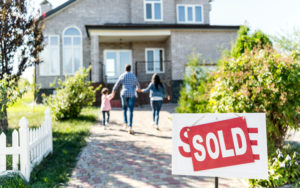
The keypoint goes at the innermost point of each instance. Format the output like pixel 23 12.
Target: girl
pixel 105 106
pixel 157 93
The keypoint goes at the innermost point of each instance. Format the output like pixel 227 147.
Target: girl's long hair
pixel 156 81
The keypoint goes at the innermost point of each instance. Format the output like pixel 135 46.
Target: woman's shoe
pixel 125 126
pixel 156 127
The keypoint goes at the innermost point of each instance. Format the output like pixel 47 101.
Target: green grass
pixel 68 140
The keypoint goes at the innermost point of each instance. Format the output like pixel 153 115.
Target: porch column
pixel 95 58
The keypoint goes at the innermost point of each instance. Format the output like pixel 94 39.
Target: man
pixel 128 94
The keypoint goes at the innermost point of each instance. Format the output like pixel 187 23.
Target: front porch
pixel 147 51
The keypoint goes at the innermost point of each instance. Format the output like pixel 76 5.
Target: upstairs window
pixel 190 14
pixel 50 57
pixel 153 10
pixel 72 52
pixel 154 60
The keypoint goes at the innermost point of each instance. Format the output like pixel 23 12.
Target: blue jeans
pixel 103 117
pixel 128 103
pixel 156 106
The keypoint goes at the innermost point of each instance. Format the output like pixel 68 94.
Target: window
pixel 50 57
pixel 153 10
pixel 154 60
pixel 72 52
pixel 115 62
pixel 189 14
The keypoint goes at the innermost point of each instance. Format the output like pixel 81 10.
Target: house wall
pixel 96 12
pixel 208 43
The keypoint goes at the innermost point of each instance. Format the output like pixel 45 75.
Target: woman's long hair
pixel 156 81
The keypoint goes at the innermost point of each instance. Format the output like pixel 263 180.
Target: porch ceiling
pixel 130 35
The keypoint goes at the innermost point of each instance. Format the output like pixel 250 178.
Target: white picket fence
pixel 29 147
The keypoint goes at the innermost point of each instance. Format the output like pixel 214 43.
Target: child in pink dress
pixel 105 106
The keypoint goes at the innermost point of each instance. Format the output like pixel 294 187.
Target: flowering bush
pixel 260 81
pixel 284 168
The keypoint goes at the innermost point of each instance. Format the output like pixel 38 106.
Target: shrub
pixel 261 81
pixel 283 169
pixel 246 41
pixel 193 97
pixel 72 96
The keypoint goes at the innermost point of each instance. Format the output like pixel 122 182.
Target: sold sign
pixel 229 143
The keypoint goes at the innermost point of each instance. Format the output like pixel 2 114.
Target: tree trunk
pixel 3 119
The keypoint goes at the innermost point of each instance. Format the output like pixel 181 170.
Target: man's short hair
pixel 128 68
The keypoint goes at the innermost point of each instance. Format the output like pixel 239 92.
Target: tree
pixel 20 36
pixel 289 43
pixel 246 41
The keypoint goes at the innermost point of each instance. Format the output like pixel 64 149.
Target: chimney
pixel 45 6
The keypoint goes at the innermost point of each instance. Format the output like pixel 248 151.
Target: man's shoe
pixel 130 131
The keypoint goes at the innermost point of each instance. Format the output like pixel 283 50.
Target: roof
pixel 62 6
pixel 159 26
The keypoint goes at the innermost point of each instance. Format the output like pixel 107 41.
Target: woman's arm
pixel 147 89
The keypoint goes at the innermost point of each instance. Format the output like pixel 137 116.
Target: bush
pixel 283 169
pixel 193 97
pixel 72 96
pixel 261 81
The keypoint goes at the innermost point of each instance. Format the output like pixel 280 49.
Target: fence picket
pixel 15 146
pixel 31 145
pixel 2 155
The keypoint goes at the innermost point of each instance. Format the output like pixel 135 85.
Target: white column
pixel 95 58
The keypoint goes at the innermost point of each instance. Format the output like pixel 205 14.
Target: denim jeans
pixel 103 117
pixel 156 106
pixel 128 103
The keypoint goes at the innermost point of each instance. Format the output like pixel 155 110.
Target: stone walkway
pixel 113 158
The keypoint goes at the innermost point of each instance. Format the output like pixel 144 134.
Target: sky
pixel 273 17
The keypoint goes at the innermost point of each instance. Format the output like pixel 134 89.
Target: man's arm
pixel 117 84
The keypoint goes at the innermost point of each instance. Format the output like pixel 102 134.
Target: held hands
pixel 169 98
pixel 139 90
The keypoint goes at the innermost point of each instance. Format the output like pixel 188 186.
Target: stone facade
pixel 177 46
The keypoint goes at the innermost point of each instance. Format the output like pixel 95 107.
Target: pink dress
pixel 105 103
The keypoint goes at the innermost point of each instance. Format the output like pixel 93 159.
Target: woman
pixel 157 93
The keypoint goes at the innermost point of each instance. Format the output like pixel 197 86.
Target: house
pixel 154 36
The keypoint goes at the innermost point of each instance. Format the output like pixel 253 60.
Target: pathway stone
pixel 113 158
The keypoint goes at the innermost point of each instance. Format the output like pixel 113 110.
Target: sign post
pixel 220 145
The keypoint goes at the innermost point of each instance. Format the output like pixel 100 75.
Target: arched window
pixel 72 50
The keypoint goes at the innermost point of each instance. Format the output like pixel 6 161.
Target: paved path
pixel 113 158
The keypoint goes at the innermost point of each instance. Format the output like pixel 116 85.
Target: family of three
pixel 130 87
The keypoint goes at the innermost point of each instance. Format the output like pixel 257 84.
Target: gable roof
pixel 60 7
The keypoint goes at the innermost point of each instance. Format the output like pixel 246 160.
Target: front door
pixel 115 62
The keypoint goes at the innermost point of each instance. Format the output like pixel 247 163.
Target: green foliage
pixel 247 42
pixel 72 95
pixel 193 98
pixel 283 169
pixel 261 81
pixel 13 181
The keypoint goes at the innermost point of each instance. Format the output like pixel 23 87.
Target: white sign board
pixel 220 145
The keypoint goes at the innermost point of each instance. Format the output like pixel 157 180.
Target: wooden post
pixel 15 146
pixel 2 154
pixel 24 146
pixel 49 127
pixel 216 182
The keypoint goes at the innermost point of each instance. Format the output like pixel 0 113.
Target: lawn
pixel 69 137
